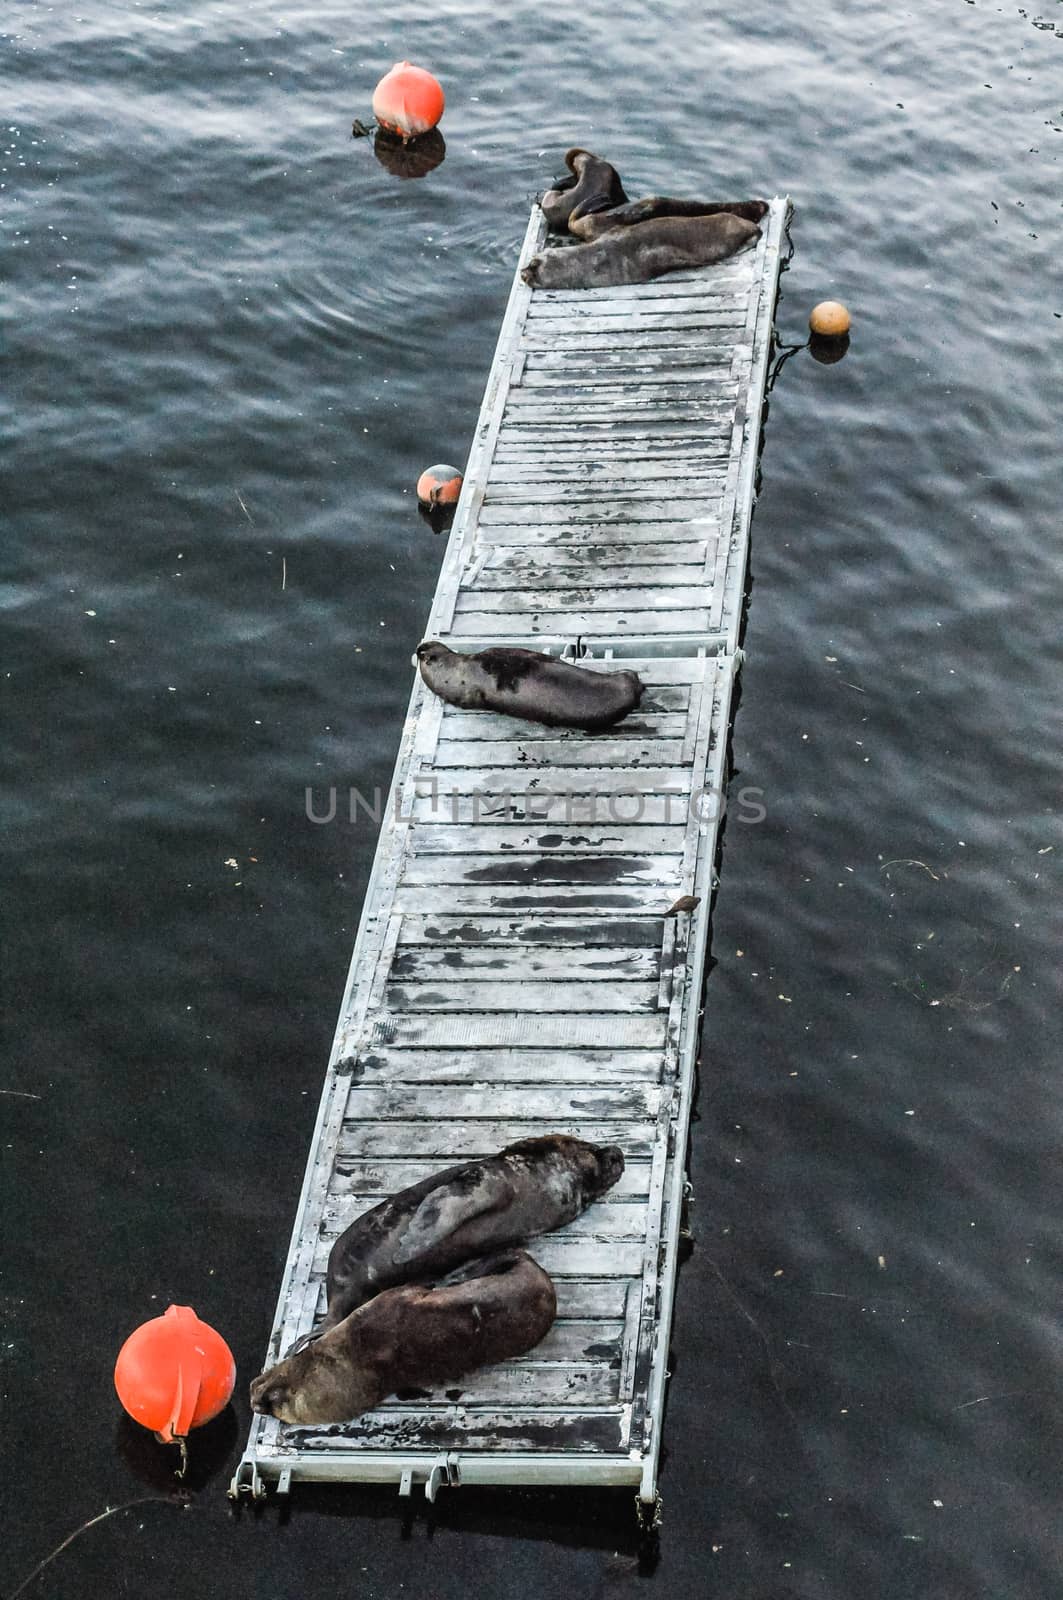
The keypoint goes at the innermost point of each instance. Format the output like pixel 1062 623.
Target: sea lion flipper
pixel 449 1207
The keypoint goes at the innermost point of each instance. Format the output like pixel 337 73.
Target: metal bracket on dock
pixel 649 1511
pixel 444 1473
pixel 247 1480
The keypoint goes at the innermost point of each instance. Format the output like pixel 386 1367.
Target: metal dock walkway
pixel 515 972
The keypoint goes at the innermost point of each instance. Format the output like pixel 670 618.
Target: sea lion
pixel 593 186
pixel 524 683
pixel 643 252
pixel 425 1230
pixel 592 224
pixel 498 1307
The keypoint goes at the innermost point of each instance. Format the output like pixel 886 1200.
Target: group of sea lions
pixel 428 1285
pixel 628 241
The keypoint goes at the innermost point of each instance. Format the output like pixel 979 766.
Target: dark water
pixel 233 340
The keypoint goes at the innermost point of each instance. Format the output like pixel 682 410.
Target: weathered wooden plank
pixel 580 870
pixel 514 625
pixel 671 376
pixel 561 808
pixel 701 453
pixel 377 1179
pixel 515 1383
pixel 521 534
pixel 580 324
pixel 648 722
pixel 484 727
pixel 537 898
pixel 602 750
pixel 446 1428
pixel 549 932
pixel 657 399
pixel 572 568
pixel 633 411
pixel 722 337
pixel 613 437
pixel 436 994
pixel 680 300
pixel 686 482
pixel 611 476
pixel 536 574
pixel 628 1102
pixel 590 778
pixel 637 363
pixel 608 515
pixel 575 839
pixel 512 601
pixel 496 1028
pixel 518 1065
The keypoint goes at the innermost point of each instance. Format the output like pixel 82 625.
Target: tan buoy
pixel 830 319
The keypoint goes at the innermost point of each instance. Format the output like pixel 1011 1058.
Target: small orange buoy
pixel 174 1373
pixel 408 100
pixel 830 317
pixel 439 485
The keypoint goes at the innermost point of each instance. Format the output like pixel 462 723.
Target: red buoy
pixel 408 100
pixel 439 485
pixel 174 1373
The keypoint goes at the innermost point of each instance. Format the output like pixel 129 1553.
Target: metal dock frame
pixel 617 512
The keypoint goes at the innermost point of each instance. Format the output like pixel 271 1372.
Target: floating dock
pixel 516 972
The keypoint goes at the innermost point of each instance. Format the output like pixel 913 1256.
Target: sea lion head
pixel 530 273
pixel 431 653
pixel 600 1167
pixel 320 1384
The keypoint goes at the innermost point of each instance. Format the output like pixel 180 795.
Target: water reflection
pixel 828 348
pixel 413 159
pixel 439 518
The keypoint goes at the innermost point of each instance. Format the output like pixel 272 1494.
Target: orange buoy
pixel 174 1373
pixel 439 485
pixel 408 100
pixel 830 317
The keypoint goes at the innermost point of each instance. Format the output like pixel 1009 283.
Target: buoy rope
pixel 182 1501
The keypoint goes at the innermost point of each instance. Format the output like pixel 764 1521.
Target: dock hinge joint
pixel 247 1480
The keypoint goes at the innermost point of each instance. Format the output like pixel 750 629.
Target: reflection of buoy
pixel 830 318
pixel 408 100
pixel 414 158
pixel 174 1373
pixel 439 486
pixel 822 347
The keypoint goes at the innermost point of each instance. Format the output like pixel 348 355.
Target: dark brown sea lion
pixel 592 224
pixel 412 1337
pixel 643 252
pixel 463 1211
pixel 594 186
pixel 524 683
